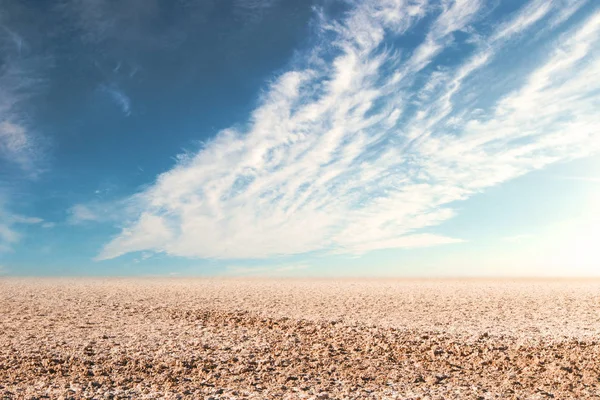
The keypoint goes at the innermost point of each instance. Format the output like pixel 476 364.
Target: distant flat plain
pixel 299 338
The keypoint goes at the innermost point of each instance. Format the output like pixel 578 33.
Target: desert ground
pixel 299 338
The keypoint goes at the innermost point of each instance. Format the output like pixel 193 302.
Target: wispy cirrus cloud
pixel 118 97
pixel 18 145
pixel 81 213
pixel 98 212
pixel 15 144
pixel 362 146
pixel 9 236
pixel 251 11
pixel 21 150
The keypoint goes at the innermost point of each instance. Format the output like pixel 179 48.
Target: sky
pixel 299 138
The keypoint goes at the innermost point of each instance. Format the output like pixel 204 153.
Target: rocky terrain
pixel 292 339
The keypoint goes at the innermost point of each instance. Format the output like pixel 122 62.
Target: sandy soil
pixel 272 339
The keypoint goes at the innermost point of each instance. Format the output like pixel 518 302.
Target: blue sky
pixel 274 137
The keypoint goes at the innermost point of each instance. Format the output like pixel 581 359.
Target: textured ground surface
pixel 263 339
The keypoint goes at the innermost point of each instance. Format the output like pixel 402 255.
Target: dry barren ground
pixel 272 339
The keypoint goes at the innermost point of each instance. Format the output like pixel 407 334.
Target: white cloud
pixel 81 213
pixel 335 159
pixel 21 219
pixel 18 145
pixel 567 9
pixel 13 141
pixel 8 235
pixel 99 212
pixel 119 98
pixel 20 148
pixel 149 233
pixel 143 257
pixel 531 14
pixel 251 12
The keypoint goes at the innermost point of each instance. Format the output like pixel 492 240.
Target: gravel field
pixel 292 339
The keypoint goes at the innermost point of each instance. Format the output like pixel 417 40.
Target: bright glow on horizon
pixel 578 247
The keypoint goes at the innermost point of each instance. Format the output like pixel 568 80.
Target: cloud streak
pixel 18 146
pixel 81 213
pixel 363 145
pixel 118 97
pixel 8 235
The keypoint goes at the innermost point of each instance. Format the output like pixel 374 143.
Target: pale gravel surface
pixel 263 339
